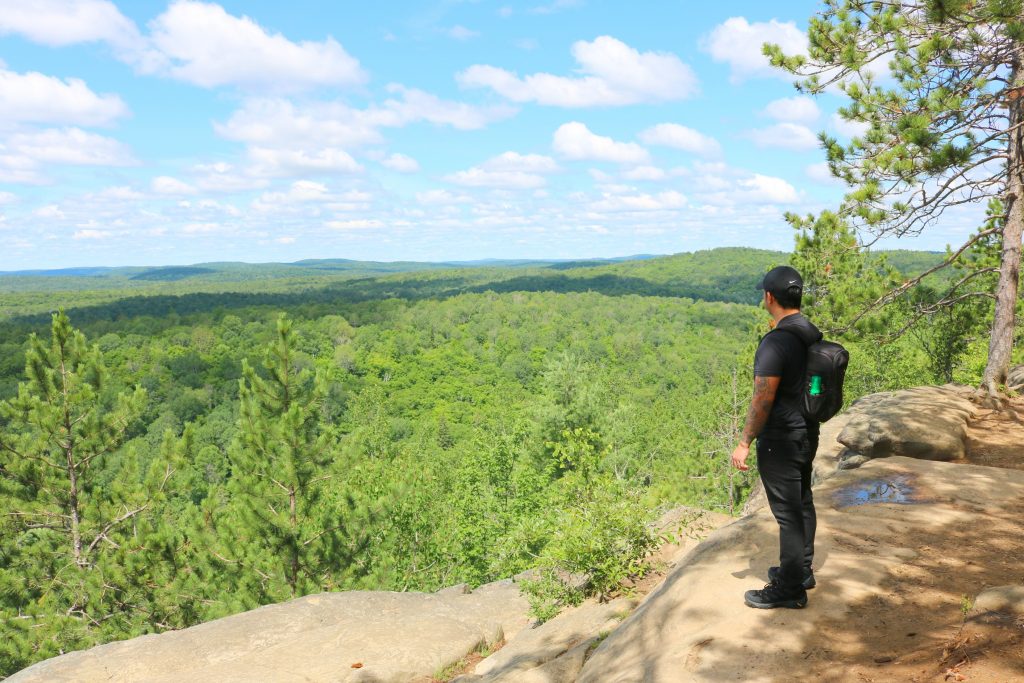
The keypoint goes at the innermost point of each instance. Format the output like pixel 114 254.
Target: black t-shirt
pixel 783 353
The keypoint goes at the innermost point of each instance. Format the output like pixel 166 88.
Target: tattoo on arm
pixel 760 407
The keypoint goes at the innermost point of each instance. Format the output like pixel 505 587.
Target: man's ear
pixel 769 298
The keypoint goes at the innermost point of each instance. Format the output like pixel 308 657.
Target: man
pixel 786 442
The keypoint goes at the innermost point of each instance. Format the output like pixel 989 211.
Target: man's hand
pixel 739 457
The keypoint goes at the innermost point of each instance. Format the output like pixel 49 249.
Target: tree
pixel 945 131
pixel 286 524
pixel 840 278
pixel 76 507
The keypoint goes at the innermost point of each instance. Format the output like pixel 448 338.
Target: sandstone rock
pixel 1015 378
pixel 554 647
pixel 393 636
pixel 852 461
pixel 925 422
pixel 694 627
pixel 1006 599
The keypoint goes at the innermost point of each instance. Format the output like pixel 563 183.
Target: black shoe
pixel 809 582
pixel 772 596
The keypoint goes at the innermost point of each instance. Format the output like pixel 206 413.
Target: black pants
pixel 785 464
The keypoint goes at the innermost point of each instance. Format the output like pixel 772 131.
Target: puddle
pixel 899 490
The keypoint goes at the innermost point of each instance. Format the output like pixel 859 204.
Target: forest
pixel 176 450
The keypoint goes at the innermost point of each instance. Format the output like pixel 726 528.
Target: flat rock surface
pixel 902 545
pixel 337 637
pixel 534 648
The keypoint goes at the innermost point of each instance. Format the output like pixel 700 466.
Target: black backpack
pixel 822 396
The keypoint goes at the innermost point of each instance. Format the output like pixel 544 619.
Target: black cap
pixel 781 279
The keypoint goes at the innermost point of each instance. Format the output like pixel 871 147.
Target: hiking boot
pixel 809 582
pixel 772 596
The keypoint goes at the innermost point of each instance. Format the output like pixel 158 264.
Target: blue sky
pixel 144 133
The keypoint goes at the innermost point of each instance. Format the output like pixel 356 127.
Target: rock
pixel 852 461
pixel 457 589
pixel 694 627
pixel 925 422
pixel 394 636
pixel 1015 378
pixel 1007 599
pixel 555 650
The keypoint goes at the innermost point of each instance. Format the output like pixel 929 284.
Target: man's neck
pixel 781 313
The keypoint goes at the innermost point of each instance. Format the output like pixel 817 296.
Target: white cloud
pixel 72 146
pixel 208 47
pixel 644 173
pixel 441 197
pixel 201 228
pixel 738 43
pixel 799 109
pixel 120 193
pixel 459 32
pixel 720 185
pixel 282 122
pixel 58 23
pixel 312 127
pixel 639 202
pixel 8 198
pixel 821 174
pixel 49 211
pixel 15 168
pixel 527 163
pixel 287 138
pixel 417 105
pixel 767 189
pixel 511 180
pixel 171 186
pixel 224 177
pixel 300 191
pixel 528 44
pixel 575 141
pixel 400 163
pixel 683 138
pixel 786 136
pixel 613 74
pixel 849 129
pixel 91 234
pixel 356 224
pixel 37 98
pixel 271 162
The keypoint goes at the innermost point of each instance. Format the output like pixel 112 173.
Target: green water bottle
pixel 815 385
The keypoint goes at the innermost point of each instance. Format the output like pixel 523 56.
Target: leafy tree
pixel 946 130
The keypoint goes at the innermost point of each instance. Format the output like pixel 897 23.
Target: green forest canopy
pixel 436 426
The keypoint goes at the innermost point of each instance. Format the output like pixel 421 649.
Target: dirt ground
pixel 921 628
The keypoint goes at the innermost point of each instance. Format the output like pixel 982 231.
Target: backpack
pixel 822 396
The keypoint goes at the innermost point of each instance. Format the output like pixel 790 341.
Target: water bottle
pixel 815 385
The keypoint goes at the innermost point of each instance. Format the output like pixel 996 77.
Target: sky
pixel 154 133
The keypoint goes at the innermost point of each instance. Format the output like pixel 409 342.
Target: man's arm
pixel 757 416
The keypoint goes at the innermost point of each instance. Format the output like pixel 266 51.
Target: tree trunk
pixel 293 579
pixel 1001 341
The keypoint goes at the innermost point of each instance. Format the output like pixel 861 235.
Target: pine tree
pixel 76 507
pixel 841 279
pixel 947 130
pixel 286 529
